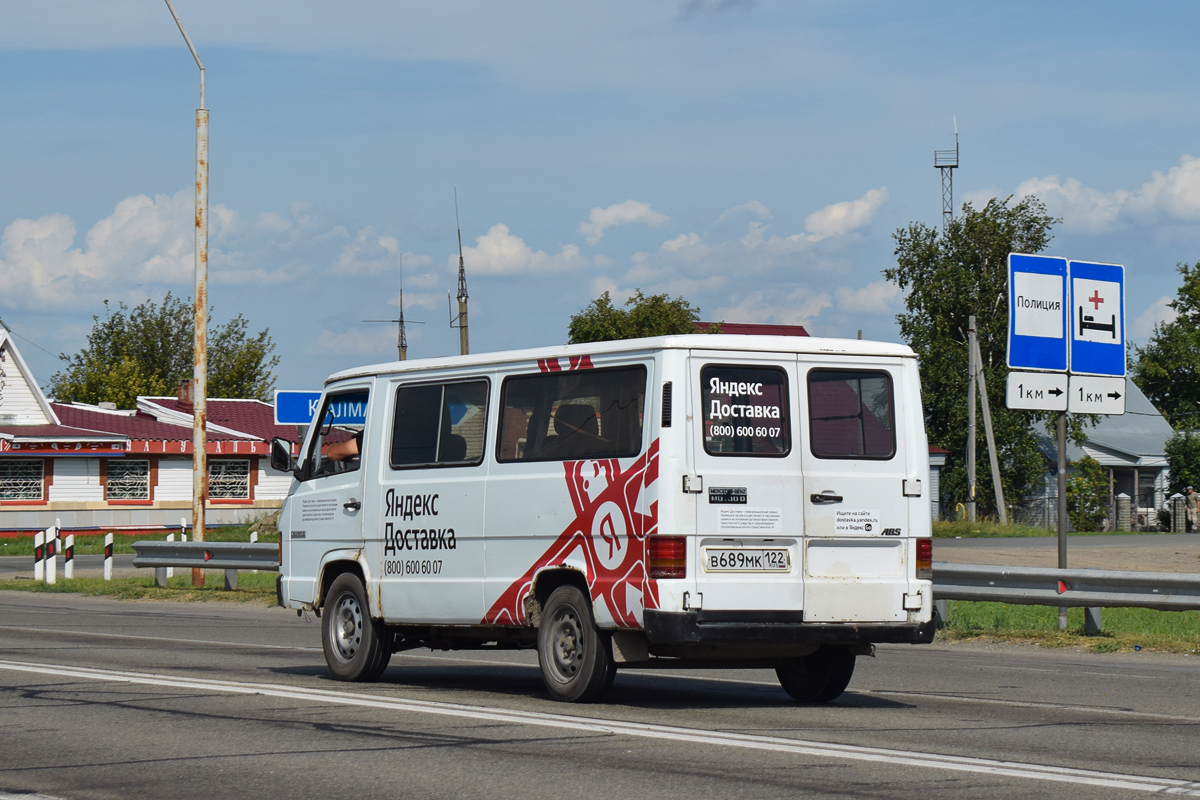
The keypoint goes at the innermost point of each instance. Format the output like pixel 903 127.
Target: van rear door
pixel 749 517
pixel 855 512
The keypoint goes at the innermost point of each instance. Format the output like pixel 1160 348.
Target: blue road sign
pixel 1097 318
pixel 1037 312
pixel 295 408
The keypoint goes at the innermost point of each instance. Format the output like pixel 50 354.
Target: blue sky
pixel 753 156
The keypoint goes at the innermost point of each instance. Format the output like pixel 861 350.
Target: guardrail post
pixel 69 557
pixel 1091 620
pixel 108 554
pixel 39 556
pixel 941 612
pixel 52 555
pixel 1123 512
pixel 230 580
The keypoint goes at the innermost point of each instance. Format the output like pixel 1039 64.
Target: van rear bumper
pixel 673 628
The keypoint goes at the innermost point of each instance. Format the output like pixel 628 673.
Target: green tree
pixel 948 277
pixel 653 315
pixel 1183 457
pixel 1087 494
pixel 147 350
pixel 1167 369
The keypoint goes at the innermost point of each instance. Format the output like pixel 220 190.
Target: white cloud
pixel 1159 311
pixel 875 297
pixel 752 207
pixel 799 307
pixel 144 240
pixel 500 253
pixel 631 211
pixel 1171 195
pixel 845 217
pixel 681 241
pixel 368 254
pixel 355 342
pixel 690 9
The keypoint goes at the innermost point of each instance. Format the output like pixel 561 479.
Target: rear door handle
pixel 354 505
pixel 825 497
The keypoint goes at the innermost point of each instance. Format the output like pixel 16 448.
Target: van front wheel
pixel 819 677
pixel 357 648
pixel 575 658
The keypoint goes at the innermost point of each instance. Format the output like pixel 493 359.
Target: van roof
pixel 695 341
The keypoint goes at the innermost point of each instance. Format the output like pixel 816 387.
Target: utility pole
pixel 200 351
pixel 461 320
pixel 971 419
pixel 997 487
pixel 1062 507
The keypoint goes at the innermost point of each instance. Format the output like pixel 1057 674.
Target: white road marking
pixel 645 673
pixel 1014 769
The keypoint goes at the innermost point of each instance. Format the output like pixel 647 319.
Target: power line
pixel 26 339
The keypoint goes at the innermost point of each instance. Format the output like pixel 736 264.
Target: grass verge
pixel 1125 629
pixel 256 587
pixel 963 529
pixel 93 544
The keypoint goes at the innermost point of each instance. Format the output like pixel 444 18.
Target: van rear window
pixel 745 411
pixel 573 415
pixel 851 414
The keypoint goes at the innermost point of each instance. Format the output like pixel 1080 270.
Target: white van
pixel 731 500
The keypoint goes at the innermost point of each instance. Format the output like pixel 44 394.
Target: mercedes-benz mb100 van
pixel 720 499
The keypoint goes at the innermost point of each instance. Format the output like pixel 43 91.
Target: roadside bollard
pixel 52 555
pixel 253 540
pixel 69 557
pixel 39 556
pixel 170 570
pixel 108 548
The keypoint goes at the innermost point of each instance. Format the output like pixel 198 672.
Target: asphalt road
pixel 105 699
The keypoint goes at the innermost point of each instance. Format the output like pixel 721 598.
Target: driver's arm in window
pixel 339 451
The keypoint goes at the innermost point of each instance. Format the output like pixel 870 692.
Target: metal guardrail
pixel 207 555
pixel 229 556
pixel 1074 588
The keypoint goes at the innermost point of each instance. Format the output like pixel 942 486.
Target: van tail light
pixel 666 556
pixel 925 559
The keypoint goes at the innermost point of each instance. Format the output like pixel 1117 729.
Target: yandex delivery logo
pixel 615 511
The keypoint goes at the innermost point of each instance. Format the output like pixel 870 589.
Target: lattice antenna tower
pixel 947 161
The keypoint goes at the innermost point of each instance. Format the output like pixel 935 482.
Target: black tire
pixel 818 677
pixel 575 658
pixel 357 648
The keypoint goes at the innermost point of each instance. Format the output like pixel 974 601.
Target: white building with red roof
pixel 99 467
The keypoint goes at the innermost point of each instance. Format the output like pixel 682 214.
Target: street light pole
pixel 200 353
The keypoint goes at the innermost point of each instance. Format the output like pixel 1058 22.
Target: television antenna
pixel 460 321
pixel 402 338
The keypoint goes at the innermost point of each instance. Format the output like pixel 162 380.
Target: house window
pixel 21 479
pixel 229 480
pixel 128 479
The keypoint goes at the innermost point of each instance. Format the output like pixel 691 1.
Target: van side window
pixel 744 411
pixel 850 414
pixel 439 424
pixel 343 418
pixel 574 415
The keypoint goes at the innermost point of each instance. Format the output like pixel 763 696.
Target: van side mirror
pixel 281 455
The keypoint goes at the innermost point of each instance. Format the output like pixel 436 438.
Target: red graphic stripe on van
pixel 555 364
pixel 615 511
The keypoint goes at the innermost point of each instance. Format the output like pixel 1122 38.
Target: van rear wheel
pixel 818 677
pixel 357 648
pixel 575 658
